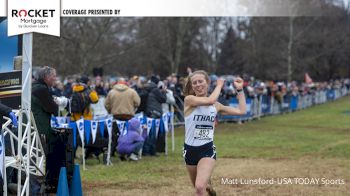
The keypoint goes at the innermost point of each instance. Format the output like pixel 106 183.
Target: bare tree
pixel 276 48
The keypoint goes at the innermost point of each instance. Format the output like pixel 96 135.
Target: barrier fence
pixel 85 129
pixel 263 105
pixel 257 106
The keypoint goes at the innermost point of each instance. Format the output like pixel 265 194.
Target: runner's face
pixel 199 85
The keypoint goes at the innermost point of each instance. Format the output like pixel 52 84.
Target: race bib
pixel 203 132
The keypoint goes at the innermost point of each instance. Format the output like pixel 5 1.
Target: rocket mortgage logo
pixel 30 17
pixel 27 16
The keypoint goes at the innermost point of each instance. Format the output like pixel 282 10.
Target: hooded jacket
pixel 122 100
pixel 87 114
pixel 128 142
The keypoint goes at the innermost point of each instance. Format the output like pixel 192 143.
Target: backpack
pixel 80 101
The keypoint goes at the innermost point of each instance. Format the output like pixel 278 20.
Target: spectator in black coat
pixel 155 99
pixel 154 102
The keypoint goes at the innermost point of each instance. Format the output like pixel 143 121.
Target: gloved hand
pixel 14 119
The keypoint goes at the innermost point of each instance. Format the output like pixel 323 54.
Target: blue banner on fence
pixel 265 105
pixel 294 102
pixel 157 126
pixel 330 94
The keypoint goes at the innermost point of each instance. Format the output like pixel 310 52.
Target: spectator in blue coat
pixel 130 144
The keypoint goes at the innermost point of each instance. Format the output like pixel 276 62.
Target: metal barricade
pixel 262 105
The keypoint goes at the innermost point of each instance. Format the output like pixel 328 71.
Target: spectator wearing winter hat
pixel 130 143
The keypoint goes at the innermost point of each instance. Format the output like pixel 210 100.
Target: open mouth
pixel 199 90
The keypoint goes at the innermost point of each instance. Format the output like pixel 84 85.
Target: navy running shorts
pixel 192 154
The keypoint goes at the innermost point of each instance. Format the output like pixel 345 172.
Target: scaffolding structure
pixel 26 153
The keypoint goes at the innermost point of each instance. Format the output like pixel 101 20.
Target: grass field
pixel 294 149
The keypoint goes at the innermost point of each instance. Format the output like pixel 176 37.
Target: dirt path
pixel 306 176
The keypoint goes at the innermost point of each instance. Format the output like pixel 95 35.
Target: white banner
pixel 165 121
pixel 154 8
pixel 121 125
pixel 61 120
pixel 157 127
pixel 149 125
pixel 125 131
pixel 41 16
pixel 171 118
pixel 94 130
pixel 109 127
pixel 80 126
pixel 140 118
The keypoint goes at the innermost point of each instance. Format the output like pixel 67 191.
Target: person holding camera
pixel 156 97
pixel 200 113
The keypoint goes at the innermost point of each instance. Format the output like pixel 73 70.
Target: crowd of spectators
pixel 278 90
pixel 123 97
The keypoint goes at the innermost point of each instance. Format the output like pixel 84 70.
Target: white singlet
pixel 199 125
